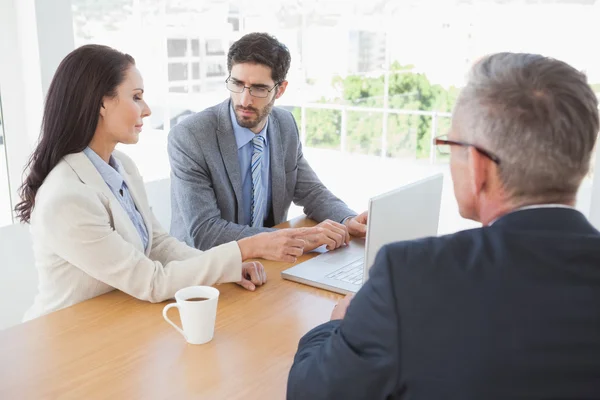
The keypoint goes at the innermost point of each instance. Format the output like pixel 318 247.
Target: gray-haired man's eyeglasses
pixel 256 91
pixel 443 144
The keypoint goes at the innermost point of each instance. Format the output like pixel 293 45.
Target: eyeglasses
pixel 443 145
pixel 256 91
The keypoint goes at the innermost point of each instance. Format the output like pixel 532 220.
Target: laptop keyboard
pixel 351 273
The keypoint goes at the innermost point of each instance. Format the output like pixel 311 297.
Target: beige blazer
pixel 85 244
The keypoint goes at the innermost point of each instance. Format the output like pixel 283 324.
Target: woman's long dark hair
pixel 71 112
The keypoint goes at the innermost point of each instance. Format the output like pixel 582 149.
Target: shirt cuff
pixel 347 218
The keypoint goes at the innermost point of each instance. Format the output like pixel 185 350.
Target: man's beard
pixel 261 115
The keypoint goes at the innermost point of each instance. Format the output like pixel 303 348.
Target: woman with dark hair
pixel 92 228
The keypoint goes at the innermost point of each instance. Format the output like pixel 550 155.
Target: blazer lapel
pixel 89 175
pixel 277 170
pixel 229 153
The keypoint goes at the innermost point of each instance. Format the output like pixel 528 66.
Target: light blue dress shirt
pixel 111 173
pixel 243 138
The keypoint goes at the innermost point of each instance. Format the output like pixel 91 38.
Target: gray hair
pixel 538 115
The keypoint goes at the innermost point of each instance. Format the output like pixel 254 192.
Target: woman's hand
pixel 253 275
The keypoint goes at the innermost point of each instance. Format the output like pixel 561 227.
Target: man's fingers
pixel 339 237
pixel 343 230
pixel 289 259
pixel 334 224
pixel 339 230
pixel 335 234
pixel 358 227
pixel 298 243
pixel 297 233
pixel 294 251
pixel 347 234
pixel 363 218
pixel 330 243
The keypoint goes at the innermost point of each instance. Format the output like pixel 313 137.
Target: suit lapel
pixel 89 175
pixel 277 169
pixel 229 153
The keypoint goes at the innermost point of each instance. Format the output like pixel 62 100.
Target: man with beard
pixel 236 167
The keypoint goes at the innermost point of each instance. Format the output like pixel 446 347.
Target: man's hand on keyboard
pixel 357 226
pixel 328 232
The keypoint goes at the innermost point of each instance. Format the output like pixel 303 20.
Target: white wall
pixel 55 36
pixel 35 35
pixel 18 284
pixel 20 83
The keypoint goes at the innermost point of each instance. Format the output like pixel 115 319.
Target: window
pixel 5 201
pixel 235 23
pixel 177 48
pixel 216 70
pixel 368 92
pixel 195 47
pixel 178 72
pixel 214 47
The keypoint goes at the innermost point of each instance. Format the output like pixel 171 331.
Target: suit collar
pixel 111 172
pixel 547 219
pixel 88 174
pixel 277 162
pixel 228 149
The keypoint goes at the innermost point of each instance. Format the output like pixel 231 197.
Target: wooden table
pixel 115 346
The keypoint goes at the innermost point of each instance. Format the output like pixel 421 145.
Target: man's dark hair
pixel 261 48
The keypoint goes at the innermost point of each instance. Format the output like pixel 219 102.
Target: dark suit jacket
pixel 206 183
pixel 509 311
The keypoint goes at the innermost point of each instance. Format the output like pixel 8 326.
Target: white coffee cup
pixel 197 316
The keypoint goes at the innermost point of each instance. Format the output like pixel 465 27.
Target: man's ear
pixel 479 168
pixel 281 89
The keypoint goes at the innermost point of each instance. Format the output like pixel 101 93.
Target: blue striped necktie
pixel 258 195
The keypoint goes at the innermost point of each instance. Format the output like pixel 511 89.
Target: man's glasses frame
pixel 443 140
pixel 232 85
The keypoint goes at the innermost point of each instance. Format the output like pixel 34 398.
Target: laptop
pixel 409 212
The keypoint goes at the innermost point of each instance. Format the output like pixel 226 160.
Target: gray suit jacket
pixel 206 186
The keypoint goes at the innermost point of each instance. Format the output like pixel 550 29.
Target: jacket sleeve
pixel 192 189
pixel 166 248
pixel 77 227
pixel 357 357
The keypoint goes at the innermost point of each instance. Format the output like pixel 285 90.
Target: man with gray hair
pixel 509 310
